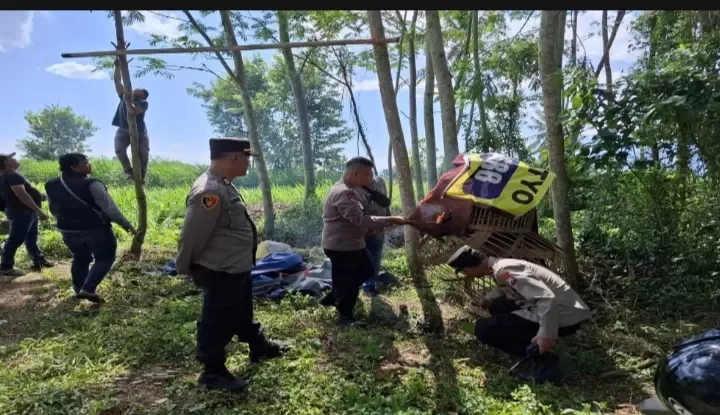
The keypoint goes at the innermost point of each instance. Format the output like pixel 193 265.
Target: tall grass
pixel 298 223
pixel 162 173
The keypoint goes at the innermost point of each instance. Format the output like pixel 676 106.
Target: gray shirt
pixel 543 296
pixel 107 205
pixel 217 233
pixel 344 221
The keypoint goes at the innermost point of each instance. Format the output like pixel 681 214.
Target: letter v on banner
pixel 508 184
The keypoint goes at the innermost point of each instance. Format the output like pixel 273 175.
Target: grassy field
pixel 135 354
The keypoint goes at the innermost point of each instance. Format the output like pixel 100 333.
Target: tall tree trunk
pixel 253 134
pixel 552 28
pixel 139 239
pixel 469 125
pixel 401 21
pixel 392 117
pixel 300 106
pixel 429 117
pixel 573 41
pixel 460 79
pixel 414 139
pixel 479 84
pixel 445 88
pixel 606 51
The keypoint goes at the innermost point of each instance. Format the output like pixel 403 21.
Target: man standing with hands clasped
pixel 217 248
pixel 530 305
pixel 345 225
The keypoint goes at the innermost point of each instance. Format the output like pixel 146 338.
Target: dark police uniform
pixel 217 248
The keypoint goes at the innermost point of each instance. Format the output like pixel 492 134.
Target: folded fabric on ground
pixel 279 273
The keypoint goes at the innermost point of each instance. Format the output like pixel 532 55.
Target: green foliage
pixel 276 116
pixel 55 131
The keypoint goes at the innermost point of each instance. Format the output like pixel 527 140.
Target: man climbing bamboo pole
pixel 136 247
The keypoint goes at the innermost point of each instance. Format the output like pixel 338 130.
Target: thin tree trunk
pixel 469 125
pixel 300 106
pixel 479 84
pixel 429 117
pixel 392 117
pixel 606 50
pixel 552 27
pixel 460 79
pixel 139 239
pixel 253 135
pixel 401 20
pixel 414 139
pixel 445 88
pixel 573 41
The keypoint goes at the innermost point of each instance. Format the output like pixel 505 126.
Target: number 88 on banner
pixel 497 180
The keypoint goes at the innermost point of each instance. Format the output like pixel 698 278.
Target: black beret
pixel 231 145
pixel 465 257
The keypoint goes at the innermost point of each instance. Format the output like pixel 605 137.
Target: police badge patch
pixel 210 201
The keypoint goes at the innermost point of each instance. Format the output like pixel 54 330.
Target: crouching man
pixel 530 304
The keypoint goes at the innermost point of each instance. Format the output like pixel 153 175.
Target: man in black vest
pixel 84 212
pixel 22 208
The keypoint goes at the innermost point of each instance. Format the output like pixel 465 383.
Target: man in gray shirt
pixel 345 225
pixel 84 212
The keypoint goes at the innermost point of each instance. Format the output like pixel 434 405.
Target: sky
pixel 34 74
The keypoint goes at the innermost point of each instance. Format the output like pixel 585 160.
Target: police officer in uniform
pixel 345 225
pixel 530 305
pixel 217 248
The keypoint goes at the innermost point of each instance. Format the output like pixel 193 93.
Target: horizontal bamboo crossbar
pixel 257 46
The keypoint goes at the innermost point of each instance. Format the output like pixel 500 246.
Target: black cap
pixel 4 157
pixel 231 145
pixel 465 257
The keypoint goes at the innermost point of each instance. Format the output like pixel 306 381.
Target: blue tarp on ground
pixel 277 273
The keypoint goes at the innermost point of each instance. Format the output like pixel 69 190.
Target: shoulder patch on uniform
pixel 507 277
pixel 209 200
pixel 351 196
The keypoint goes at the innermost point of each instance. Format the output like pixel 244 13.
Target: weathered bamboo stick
pixel 257 46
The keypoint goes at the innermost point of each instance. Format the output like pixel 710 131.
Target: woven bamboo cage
pixel 495 234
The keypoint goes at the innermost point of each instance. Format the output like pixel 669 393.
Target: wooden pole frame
pixel 256 46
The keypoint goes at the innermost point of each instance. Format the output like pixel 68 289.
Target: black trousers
pixel 227 311
pixel 350 269
pixel 512 333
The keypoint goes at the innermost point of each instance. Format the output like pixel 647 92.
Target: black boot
pixel 328 299
pixel 262 349
pixel 41 263
pixel 221 379
pixel 543 368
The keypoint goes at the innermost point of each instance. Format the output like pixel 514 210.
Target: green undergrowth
pixel 135 355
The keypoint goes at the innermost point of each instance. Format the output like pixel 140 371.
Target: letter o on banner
pixel 523 197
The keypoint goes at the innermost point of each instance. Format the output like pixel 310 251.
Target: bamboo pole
pixel 257 46
pixel 139 238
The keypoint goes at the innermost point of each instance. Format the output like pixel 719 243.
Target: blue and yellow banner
pixel 496 180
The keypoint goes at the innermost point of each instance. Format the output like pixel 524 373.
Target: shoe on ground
pixel 38 266
pixel 12 272
pixel 542 372
pixel 93 297
pixel 271 350
pixel 328 300
pixel 349 322
pixel 222 381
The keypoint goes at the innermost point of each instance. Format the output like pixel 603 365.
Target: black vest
pixel 70 213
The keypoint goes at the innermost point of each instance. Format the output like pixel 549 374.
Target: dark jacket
pixel 71 214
